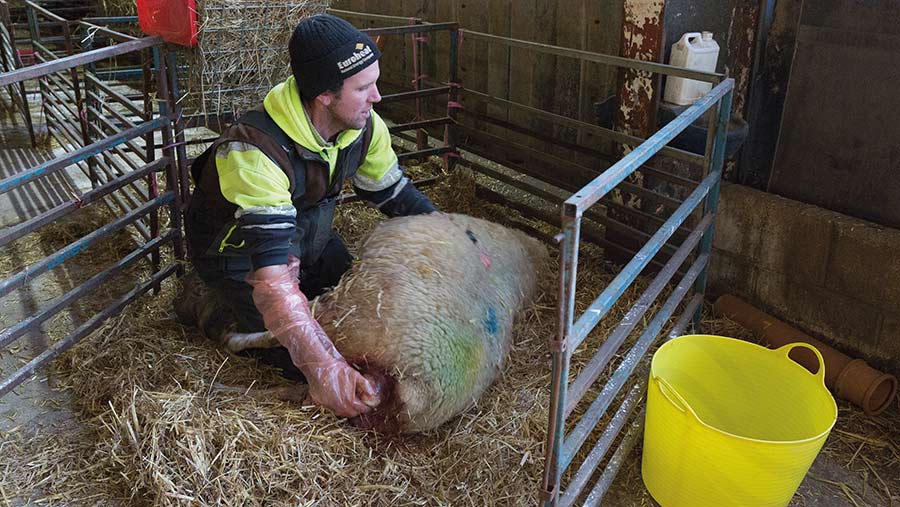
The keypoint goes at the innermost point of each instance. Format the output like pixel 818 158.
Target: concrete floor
pixel 34 403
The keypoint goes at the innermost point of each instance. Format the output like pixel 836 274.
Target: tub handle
pixel 786 351
pixel 669 392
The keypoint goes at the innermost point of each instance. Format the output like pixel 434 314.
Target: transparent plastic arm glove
pixel 333 383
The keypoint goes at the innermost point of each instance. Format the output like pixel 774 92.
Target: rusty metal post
pixel 642 39
pixel 165 100
pixel 452 99
pixel 559 349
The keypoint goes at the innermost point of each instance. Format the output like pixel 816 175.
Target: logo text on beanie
pixel 356 59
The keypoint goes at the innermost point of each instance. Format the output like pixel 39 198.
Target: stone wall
pixel 835 277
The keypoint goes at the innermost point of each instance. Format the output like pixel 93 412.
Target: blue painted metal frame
pixel 172 163
pixel 561 447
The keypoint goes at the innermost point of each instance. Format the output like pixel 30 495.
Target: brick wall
pixel 836 277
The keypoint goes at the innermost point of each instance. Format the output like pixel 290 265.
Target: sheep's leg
pixel 236 342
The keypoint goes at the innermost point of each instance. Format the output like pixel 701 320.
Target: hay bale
pixel 241 52
pixel 428 310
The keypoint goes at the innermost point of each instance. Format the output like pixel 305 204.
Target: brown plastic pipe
pixel 849 379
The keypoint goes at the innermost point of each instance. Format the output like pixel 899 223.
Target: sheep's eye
pixel 471 236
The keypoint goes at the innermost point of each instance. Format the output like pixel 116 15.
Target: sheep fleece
pixel 427 311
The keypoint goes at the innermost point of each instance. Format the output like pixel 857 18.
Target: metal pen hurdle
pixel 562 446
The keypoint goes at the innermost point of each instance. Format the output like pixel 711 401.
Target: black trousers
pixel 314 280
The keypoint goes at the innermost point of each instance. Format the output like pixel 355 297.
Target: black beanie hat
pixel 325 50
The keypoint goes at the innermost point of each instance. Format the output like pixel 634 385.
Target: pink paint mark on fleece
pixel 485 259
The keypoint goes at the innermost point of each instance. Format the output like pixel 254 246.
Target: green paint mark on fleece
pixel 458 359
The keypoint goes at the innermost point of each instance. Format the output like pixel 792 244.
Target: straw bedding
pixel 169 420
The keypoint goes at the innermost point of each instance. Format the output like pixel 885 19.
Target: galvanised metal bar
pixel 99 103
pixel 717 160
pixel 17 231
pixel 403 127
pixel 130 196
pixel 19 279
pixel 428 92
pixel 66 343
pixel 403 30
pixel 552 197
pixel 40 10
pixel 568 259
pixel 12 61
pixel 68 62
pixel 94 29
pixel 617 61
pixel 33 28
pixel 115 19
pixel 592 152
pixel 421 183
pixel 367 15
pixel 178 126
pixel 176 174
pixel 592 234
pixel 575 439
pixel 120 74
pixel 92 101
pixel 604 354
pixel 146 102
pixel 440 150
pixel 117 128
pixel 593 459
pixel 620 283
pixel 119 98
pixel 693 307
pixel 614 135
pixel 13 333
pixel 615 426
pixel 596 189
pixel 565 174
pixel 625 447
pixel 452 97
pixel 559 455
pixel 52 166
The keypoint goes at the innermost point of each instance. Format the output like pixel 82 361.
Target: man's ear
pixel 325 98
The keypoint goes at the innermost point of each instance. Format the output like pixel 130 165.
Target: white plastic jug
pixel 695 51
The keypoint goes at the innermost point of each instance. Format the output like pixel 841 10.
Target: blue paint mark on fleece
pixel 490 324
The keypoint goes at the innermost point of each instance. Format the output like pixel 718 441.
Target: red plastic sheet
pixel 174 20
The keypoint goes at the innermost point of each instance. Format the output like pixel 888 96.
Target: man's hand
pixel 333 383
pixel 342 389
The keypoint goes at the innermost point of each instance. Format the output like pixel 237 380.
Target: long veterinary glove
pixel 333 383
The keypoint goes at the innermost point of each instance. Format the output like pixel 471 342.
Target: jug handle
pixel 668 391
pixel 786 351
pixel 686 38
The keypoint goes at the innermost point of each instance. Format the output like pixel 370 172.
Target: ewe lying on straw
pixel 427 312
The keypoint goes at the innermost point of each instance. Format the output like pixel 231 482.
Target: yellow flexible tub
pixel 731 423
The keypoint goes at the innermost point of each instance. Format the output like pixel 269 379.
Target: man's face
pixel 351 107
